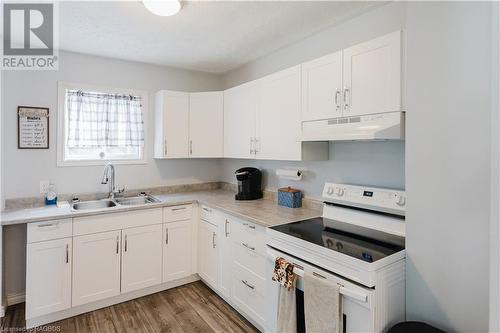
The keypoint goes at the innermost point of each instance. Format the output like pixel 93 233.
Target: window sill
pixel 99 162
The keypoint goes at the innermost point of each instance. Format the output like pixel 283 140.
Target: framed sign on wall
pixel 32 127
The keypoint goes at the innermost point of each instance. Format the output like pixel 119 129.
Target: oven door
pixel 357 301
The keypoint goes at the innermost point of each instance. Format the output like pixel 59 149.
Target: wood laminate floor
pixel 189 308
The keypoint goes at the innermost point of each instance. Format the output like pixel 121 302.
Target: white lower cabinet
pixel 207 253
pixel 96 267
pixel 225 254
pixel 141 257
pixel 177 250
pixel 48 277
pixel 232 261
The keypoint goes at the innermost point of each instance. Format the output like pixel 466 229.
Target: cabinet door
pixel 177 247
pixel 175 121
pixel 372 76
pixel 225 254
pixel 239 121
pixel 141 257
pixel 278 117
pixel 322 87
pixel 208 267
pixel 48 277
pixel 96 267
pixel 206 117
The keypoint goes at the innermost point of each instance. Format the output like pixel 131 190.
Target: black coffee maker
pixel 249 183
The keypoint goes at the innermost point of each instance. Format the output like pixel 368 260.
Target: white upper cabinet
pixel 322 87
pixel 172 124
pixel 372 76
pixel 206 133
pixel 240 106
pixel 278 116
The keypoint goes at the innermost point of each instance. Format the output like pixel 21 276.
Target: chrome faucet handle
pixel 120 189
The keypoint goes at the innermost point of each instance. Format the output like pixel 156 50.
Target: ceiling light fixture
pixel 163 7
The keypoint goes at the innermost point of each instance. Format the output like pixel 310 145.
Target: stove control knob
pixel 400 200
pixel 329 190
pixel 339 191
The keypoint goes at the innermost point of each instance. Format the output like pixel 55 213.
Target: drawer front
pixel 248 291
pixel 116 221
pixel 55 229
pixel 250 259
pixel 177 213
pixel 208 214
pixel 250 235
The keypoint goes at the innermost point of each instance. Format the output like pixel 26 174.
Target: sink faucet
pixel 109 178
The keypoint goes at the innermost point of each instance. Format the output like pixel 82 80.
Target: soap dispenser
pixel 51 196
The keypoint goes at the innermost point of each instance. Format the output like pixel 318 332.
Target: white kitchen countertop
pixel 264 212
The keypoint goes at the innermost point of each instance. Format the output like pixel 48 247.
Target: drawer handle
pixel 67 253
pixel 251 226
pixel 248 284
pixel 177 209
pixel 248 246
pixel 48 226
pixel 207 210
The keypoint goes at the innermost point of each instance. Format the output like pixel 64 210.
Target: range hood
pixel 381 126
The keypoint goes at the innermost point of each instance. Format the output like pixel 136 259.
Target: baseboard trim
pixel 16 298
pixel 77 310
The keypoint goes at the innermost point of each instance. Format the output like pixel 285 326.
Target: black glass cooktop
pixel 359 242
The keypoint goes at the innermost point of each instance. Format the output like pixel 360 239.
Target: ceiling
pixel 211 36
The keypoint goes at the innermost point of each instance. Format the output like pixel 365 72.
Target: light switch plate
pixel 44 186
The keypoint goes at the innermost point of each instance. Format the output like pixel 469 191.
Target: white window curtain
pixel 103 120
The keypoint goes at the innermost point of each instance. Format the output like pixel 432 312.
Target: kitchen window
pixel 97 125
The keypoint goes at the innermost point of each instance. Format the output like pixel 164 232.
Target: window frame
pixel 61 128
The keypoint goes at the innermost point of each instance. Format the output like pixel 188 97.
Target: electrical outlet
pixel 44 186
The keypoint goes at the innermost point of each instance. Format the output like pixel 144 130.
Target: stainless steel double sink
pixel 110 203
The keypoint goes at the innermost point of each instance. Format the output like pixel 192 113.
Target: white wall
pixel 448 164
pixel 366 163
pixel 25 168
pixel 495 174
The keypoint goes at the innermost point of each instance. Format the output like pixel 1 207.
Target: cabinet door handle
pixel 67 253
pixel 213 240
pixel 166 236
pixel 207 210
pixel 251 146
pixel 248 284
pixel 251 226
pixel 165 147
pixel 248 246
pixel 337 104
pixel 191 147
pixel 346 101
pixel 126 243
pixel 257 144
pixel 226 231
pixel 117 244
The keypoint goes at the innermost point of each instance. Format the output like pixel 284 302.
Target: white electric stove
pixel 357 243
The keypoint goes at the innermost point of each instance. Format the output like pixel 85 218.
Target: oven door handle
pixel 361 297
